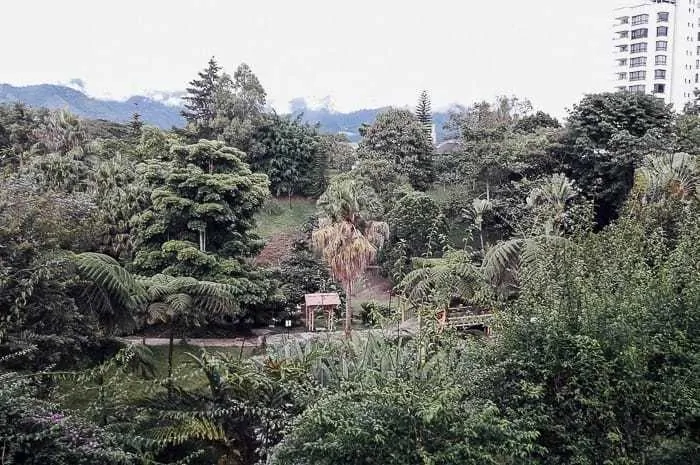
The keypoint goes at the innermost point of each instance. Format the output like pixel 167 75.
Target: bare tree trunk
pixel 202 240
pixel 171 346
pixel 481 237
pixel 348 309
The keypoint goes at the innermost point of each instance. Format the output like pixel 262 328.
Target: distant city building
pixel 656 46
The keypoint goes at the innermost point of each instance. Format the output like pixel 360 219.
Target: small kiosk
pixel 326 303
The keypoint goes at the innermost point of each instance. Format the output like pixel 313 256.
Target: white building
pixel 657 49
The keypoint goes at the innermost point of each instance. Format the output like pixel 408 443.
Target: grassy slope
pixel 277 217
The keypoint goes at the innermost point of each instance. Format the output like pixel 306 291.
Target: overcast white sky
pixel 363 53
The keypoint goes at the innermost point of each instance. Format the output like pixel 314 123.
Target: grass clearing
pixel 279 217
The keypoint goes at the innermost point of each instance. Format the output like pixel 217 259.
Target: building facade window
pixel 622 48
pixel 639 48
pixel 622 62
pixel 638 75
pixel 624 20
pixel 660 60
pixel 660 74
pixel 659 88
pixel 661 45
pixel 621 76
pixel 661 31
pixel 640 19
pixel 640 33
pixel 640 89
pixel 661 16
pixel 623 34
pixel 638 61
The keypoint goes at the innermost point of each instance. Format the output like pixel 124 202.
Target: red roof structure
pixel 322 300
pixel 325 302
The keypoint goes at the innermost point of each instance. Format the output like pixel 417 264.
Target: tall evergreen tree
pixel 200 108
pixel 135 126
pixel 424 113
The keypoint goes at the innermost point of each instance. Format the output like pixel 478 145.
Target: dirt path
pixel 276 249
pixel 407 328
pixel 371 287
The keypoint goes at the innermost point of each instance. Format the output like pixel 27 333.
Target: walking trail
pixel 407 328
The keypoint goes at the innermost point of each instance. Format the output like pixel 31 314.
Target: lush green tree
pixel 205 197
pixel 136 126
pixel 178 302
pixel 598 147
pixel 42 296
pixel 414 218
pixel 598 117
pixel 347 240
pixel 19 124
pixel 686 130
pixel 484 120
pixel 61 133
pixel 530 123
pixel 200 109
pixel 288 152
pixel 240 103
pixel 378 174
pixel 119 194
pixel 439 281
pixel 340 154
pixel 601 349
pixel 397 136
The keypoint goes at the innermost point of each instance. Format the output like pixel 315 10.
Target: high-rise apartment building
pixel 657 49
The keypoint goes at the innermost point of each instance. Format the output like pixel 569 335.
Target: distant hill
pixel 62 97
pixel 154 111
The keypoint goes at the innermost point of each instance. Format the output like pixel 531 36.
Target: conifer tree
pixel 135 126
pixel 424 113
pixel 200 108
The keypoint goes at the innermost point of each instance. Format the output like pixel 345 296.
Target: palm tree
pixel 438 280
pixel 503 262
pixel 175 301
pixel 675 176
pixel 184 301
pixel 115 295
pixel 347 241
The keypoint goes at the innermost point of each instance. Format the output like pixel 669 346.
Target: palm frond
pixel 107 274
pixel 190 429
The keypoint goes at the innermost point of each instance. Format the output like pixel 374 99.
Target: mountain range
pixel 159 109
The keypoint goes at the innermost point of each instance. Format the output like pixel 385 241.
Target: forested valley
pixel 578 238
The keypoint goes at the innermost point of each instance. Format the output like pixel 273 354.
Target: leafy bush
pixel 371 313
pixel 416 219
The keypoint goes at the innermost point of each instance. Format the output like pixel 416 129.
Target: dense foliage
pixel 580 240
